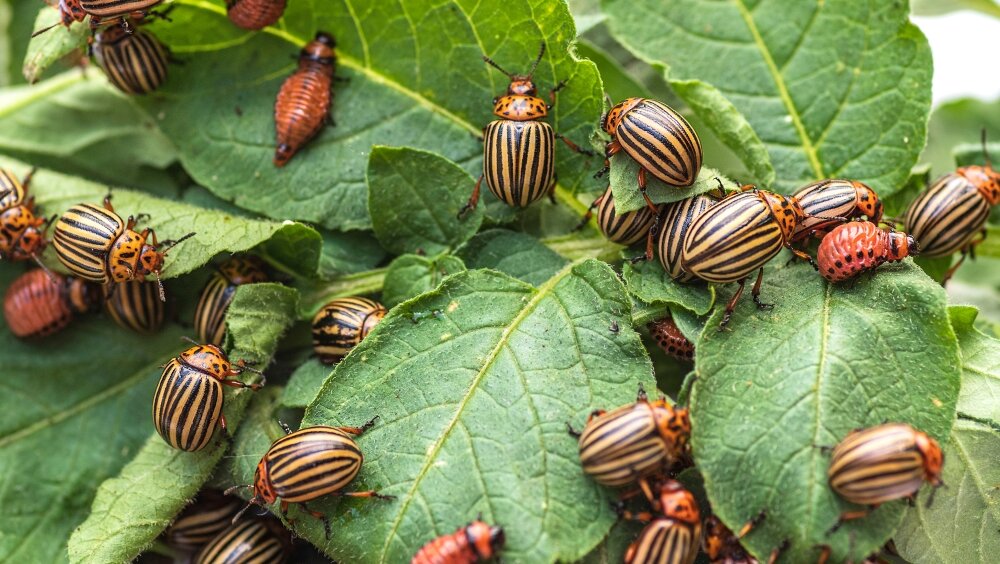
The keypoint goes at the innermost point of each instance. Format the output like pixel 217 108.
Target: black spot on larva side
pixel 831 270
pixel 839 264
pixel 871 252
pixel 861 254
pixel 848 259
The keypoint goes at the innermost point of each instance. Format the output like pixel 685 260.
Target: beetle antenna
pixel 159 285
pixel 41 265
pixel 541 52
pixel 196 343
pixel 171 244
pixel 986 154
pixel 44 29
pixel 245 507
pixel 493 64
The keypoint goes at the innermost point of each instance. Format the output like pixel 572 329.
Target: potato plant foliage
pixel 505 325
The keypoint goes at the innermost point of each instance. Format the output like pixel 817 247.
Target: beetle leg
pixel 803 255
pixel 643 516
pixel 574 147
pixel 573 432
pixel 556 88
pixel 849 516
pixel 642 188
pixel 778 550
pixel 595 413
pixel 473 199
pixel 369 493
pixel 732 305
pixel 609 150
pixel 318 515
pixel 222 423
pixel 755 293
pixel 359 430
pixel 238 384
pixel 590 213
pixel 753 522
pixel 26 182
pixel 654 230
pixel 552 188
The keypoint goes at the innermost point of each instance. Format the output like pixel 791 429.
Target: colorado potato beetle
pixel 950 215
pixel 202 521
pixel 671 340
pixel 883 463
pixel 655 136
pixel 855 247
pixel 634 441
pixel 673 535
pixel 830 202
pixel 187 404
pixel 308 464
pixel 304 102
pixel 739 235
pixel 97 245
pixel 215 297
pixel 677 220
pixel 250 539
pixel 101 12
pixel 39 303
pixel 472 543
pixel 519 148
pixel 22 235
pixel 134 61
pixel 625 229
pixel 135 306
pixel 254 14
pixel 341 324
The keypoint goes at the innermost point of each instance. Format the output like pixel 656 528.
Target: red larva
pixel 472 543
pixel 855 247
pixel 254 14
pixel 671 340
pixel 38 304
pixel 303 104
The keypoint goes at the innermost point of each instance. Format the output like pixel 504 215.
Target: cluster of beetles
pixel 720 236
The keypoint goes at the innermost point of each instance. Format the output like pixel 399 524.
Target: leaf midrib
pixel 543 291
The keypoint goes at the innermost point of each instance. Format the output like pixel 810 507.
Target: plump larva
pixel 135 62
pixel 856 247
pixel 671 340
pixel 677 220
pixel 38 303
pixel 304 101
pixel 883 463
pixel 202 521
pixel 619 447
pixel 215 297
pixel 22 234
pixel 254 14
pixel 830 202
pixel 673 535
pixel 341 324
pixel 136 306
pixel 187 404
pixel 658 138
pixel 472 543
pixel 250 540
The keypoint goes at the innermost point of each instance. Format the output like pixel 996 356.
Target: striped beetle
pixel 341 324
pixel 215 297
pixel 305 99
pixel 254 14
pixel 677 220
pixel 135 306
pixel 739 235
pixel 855 247
pixel 187 404
pixel 134 61
pixel 252 539
pixel 39 303
pixel 673 534
pixel 655 136
pixel 472 543
pixel 202 521
pixel 308 464
pixel 97 245
pixel 519 148
pixel 633 441
pixel 22 235
pixel 883 463
pixel 828 202
pixel 950 215
pixel 625 229
pixel 102 12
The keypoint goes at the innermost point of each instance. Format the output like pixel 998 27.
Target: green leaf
pixel 414 198
pixel 961 525
pixel 131 509
pixel 112 141
pixel 48 48
pixel 628 197
pixel 292 245
pixel 348 253
pixel 17 20
pixel 617 82
pixel 896 204
pixel 473 410
pixel 957 122
pixel 586 14
pixel 650 283
pixel 411 275
pixel 780 384
pixel 832 89
pixel 75 409
pixel 972 154
pixel 939 7
pixel 305 383
pixel 415 78
pixel 516 254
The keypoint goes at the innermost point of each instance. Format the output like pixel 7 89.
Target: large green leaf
pixel 74 410
pixel 650 283
pixel 131 509
pixel 961 525
pixel 411 275
pixel 48 48
pixel 473 405
pixel 293 245
pixel 957 122
pixel 112 141
pixel 832 89
pixel 780 384
pixel 512 253
pixel 415 78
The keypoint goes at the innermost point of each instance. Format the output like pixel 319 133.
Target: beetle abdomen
pixel 518 160
pixel 662 142
pixel 731 239
pixel 947 216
